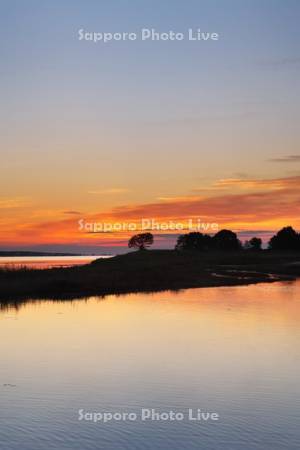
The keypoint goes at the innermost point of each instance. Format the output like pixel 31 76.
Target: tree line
pixel 286 239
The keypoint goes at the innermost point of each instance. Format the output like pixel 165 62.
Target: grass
pixel 145 271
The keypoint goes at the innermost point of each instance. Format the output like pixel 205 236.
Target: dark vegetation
pixel 223 241
pixel 287 239
pixel 141 241
pixel 151 270
pixel 197 261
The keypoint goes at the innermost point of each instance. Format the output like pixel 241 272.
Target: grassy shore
pixel 146 271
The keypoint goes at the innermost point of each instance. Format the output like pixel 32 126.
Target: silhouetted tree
pixel 286 239
pixel 141 241
pixel 226 240
pixel 254 244
pixel 194 241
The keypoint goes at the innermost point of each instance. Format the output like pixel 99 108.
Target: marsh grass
pixel 144 271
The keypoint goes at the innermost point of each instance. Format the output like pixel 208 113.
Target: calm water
pixel 45 262
pixel 233 351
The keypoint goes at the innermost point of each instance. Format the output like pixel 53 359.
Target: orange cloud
pixel 16 202
pixel 268 204
pixel 110 191
pixel 277 183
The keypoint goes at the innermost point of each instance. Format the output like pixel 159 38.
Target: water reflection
pixel 231 350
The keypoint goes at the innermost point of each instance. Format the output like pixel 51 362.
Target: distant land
pixel 27 253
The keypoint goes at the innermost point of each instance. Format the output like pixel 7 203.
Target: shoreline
pixel 148 271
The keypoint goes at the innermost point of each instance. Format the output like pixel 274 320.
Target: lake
pixel 232 351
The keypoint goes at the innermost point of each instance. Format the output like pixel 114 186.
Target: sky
pixel 123 131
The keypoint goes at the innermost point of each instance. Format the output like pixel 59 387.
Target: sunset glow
pixel 121 132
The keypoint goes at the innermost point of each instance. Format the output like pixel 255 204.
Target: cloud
pixel 273 200
pixel 264 204
pixel 72 213
pixel 243 233
pixel 15 202
pixel 284 159
pixel 267 183
pixel 173 199
pixel 110 191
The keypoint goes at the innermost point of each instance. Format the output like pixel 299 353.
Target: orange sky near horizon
pixel 241 204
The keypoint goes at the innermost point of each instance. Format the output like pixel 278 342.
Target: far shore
pixel 20 253
pixel 148 271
